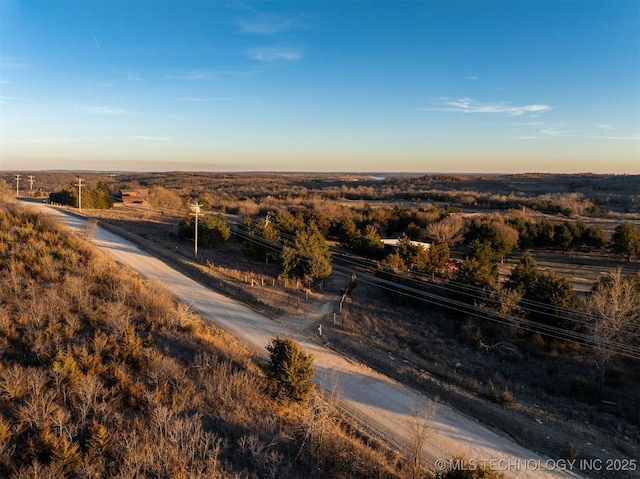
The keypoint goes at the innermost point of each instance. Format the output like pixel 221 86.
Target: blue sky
pixel 421 86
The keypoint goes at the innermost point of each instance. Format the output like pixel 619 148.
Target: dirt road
pixel 384 405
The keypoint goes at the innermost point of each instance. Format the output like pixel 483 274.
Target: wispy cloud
pixel 150 138
pixel 603 126
pixel 552 132
pixel 468 105
pixel 264 24
pixel 189 75
pixel 629 137
pixel 10 63
pixel 192 75
pixel 529 124
pixel 52 141
pixel 12 99
pixel 542 131
pixel 99 48
pixel 525 137
pixel 272 54
pixel 204 100
pixel 104 110
pixel 471 77
pixel 131 76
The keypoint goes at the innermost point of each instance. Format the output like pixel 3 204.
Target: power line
pixel 472 292
pixel 196 213
pixel 31 180
pixel 17 186
pixel 79 185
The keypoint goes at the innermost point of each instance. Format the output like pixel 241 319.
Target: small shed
pixel 135 197
pixel 393 243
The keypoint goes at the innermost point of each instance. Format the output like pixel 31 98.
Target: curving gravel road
pixel 382 404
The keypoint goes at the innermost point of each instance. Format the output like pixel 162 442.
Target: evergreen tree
pixel 348 233
pixel 434 259
pixel 287 224
pixel 524 275
pixel 63 197
pixel 625 240
pixel 554 290
pixel 594 237
pixel 263 239
pixel 563 236
pixel 292 368
pixel 100 196
pixel 369 244
pixel 215 230
pixel 212 230
pixel 479 268
pixel 543 235
pixel 394 263
pixel 288 260
pixel 312 248
pixel 406 249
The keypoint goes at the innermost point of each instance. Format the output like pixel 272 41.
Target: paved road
pixel 383 404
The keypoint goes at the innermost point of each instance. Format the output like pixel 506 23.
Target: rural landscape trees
pixel 295 242
pixel 98 197
pixel 483 307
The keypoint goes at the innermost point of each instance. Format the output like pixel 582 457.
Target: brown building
pixel 138 197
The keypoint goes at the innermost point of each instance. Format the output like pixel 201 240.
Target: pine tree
pixel 312 248
pixel 369 244
pixel 292 368
pixel 524 275
pixel 626 240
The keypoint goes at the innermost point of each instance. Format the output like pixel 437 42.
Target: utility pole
pixel 196 212
pixel 79 185
pixel 17 185
pixel 31 180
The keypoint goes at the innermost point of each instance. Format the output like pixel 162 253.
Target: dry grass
pixel 554 383
pixel 105 375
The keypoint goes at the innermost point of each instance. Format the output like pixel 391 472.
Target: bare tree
pixel 613 309
pixel 449 230
pixel 421 420
pixel 161 197
pixel 86 391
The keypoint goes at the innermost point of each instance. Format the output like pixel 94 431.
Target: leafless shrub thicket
pixel 105 375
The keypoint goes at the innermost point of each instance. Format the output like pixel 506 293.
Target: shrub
pixel 292 368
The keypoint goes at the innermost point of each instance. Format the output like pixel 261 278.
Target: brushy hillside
pixel 105 375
